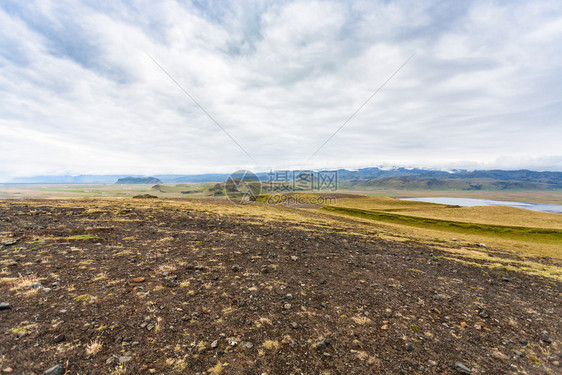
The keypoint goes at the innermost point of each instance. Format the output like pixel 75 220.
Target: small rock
pixel 125 359
pixel 235 268
pixel 454 239
pixel 5 306
pixel 482 245
pixel 190 267
pixel 322 344
pixel 461 368
pixel 36 285
pixel 165 274
pixel 294 258
pixel 463 324
pixel 59 338
pixel 326 354
pixel 289 296
pixel 46 290
pixel 294 325
pixel 408 258
pixel 432 363
pixel 483 314
pixel 138 280
pixel 545 338
pixel 409 347
pixel 287 306
pixel 214 344
pixel 10 243
pixel 7 370
pixel 505 278
pixel 232 342
pixel 57 370
pixel 174 277
pixel 523 342
pixel 111 360
pixel 247 345
pixel 518 353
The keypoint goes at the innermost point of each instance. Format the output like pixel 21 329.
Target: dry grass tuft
pixel 94 347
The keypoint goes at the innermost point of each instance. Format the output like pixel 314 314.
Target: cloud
pixel 80 94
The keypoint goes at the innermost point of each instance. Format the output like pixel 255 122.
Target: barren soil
pixel 182 291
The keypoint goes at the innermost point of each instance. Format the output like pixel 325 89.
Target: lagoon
pixel 470 202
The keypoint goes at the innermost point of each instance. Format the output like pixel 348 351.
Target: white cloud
pixel 80 95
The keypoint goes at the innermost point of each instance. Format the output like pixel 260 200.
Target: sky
pixel 80 92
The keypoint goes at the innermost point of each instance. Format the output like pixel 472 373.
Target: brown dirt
pixel 157 287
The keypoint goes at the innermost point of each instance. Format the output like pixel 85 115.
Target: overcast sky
pixel 79 93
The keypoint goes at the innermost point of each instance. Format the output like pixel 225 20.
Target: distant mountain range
pixel 397 178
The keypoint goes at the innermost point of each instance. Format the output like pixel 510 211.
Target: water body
pixel 469 202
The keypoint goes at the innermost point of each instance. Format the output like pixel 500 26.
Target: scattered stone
pixel 125 359
pixel 454 239
pixel 7 370
pixel 36 285
pixel 59 339
pixel 111 360
pixel 518 353
pixel 463 324
pixel 174 277
pixel 408 258
pixel 482 245
pixel 322 344
pixel 505 278
pixel 409 347
pixel 289 296
pixel 235 268
pixel 5 306
pixel 165 274
pixel 294 258
pixel 138 280
pixel 483 314
pixel 232 342
pixel 214 344
pixel 545 337
pixel 523 342
pixel 247 345
pixel 190 267
pixel 294 325
pixel 57 370
pixel 46 290
pixel 287 306
pixel 432 363
pixel 462 369
pixel 10 243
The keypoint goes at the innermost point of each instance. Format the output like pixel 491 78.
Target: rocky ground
pixel 100 287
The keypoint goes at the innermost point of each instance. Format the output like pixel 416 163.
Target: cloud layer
pixel 80 93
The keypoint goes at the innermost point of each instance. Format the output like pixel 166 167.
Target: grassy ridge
pixel 541 235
